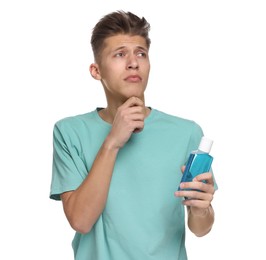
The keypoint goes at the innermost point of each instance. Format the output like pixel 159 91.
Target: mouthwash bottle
pixel 199 161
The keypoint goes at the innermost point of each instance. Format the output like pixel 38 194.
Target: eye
pixel 142 54
pixel 120 54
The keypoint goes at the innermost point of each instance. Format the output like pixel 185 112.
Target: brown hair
pixel 114 23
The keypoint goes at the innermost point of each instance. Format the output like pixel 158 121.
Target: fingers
pixel 133 101
pixel 203 182
pixel 132 113
pixel 207 177
pixel 197 198
pixel 129 119
pixel 199 192
pixel 197 203
pixel 195 194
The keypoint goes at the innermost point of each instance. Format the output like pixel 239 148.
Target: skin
pixel 200 211
pixel 124 71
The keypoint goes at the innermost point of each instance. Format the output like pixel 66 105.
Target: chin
pixel 138 95
pixel 135 93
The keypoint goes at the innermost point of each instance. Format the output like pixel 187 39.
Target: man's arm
pixel 200 221
pixel 200 210
pixel 84 205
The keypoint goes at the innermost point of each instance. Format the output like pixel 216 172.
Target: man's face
pixel 124 67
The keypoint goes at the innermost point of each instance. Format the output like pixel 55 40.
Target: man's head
pixel 121 44
pixel 118 23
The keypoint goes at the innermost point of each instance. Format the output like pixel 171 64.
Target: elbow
pixel 202 234
pixel 80 219
pixel 199 231
pixel 80 226
pixel 201 225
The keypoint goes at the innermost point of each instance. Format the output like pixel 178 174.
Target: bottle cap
pixel 205 144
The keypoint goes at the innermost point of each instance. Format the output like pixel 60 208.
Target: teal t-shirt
pixel 142 220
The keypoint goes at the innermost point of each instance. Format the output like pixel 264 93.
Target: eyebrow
pixel 124 47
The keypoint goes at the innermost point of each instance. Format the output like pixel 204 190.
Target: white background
pixel 208 64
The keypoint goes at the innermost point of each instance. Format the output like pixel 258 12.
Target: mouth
pixel 133 78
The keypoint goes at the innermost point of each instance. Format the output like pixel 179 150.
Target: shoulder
pixel 182 131
pixel 177 121
pixel 73 122
pixel 74 127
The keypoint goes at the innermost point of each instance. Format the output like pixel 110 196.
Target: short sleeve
pixel 68 169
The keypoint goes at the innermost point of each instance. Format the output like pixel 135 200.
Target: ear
pixel 95 72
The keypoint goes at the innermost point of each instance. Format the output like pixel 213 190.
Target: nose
pixel 132 62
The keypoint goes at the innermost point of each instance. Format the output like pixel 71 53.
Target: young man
pixel 117 169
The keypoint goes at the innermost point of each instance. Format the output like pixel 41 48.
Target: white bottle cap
pixel 205 144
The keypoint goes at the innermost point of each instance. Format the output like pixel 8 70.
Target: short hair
pixel 118 22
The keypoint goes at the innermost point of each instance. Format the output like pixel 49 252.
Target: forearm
pixel 84 205
pixel 200 221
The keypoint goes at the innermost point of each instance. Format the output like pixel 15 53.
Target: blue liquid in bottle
pixel 199 161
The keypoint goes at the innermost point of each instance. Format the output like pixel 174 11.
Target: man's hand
pixel 200 193
pixel 129 119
